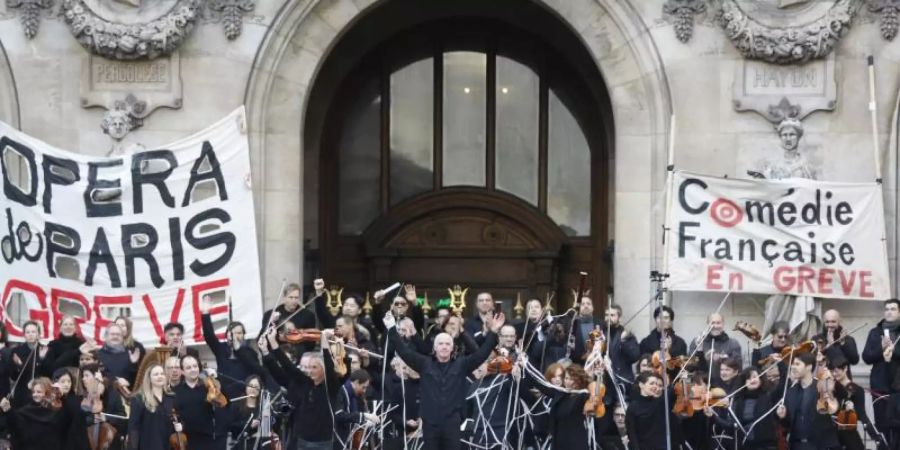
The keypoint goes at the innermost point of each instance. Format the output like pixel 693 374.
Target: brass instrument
pixel 158 355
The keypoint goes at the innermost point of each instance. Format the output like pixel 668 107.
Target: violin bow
pixel 712 351
pixel 571 335
pixel 703 336
pixel 271 315
pixel 845 335
pixel 787 377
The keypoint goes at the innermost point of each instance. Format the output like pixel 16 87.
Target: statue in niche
pixel 793 162
pixel 800 312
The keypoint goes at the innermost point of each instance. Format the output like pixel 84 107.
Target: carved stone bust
pixel 792 162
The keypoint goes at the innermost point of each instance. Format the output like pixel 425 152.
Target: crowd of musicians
pixel 396 378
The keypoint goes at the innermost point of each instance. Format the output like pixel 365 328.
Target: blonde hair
pixel 129 338
pixel 150 401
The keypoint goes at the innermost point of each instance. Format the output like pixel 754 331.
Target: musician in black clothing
pixel 400 307
pixel 174 334
pixel 882 353
pixel 808 428
pixel 443 381
pixel 401 390
pixel 245 413
pixel 205 423
pixel 645 418
pixel 65 347
pixel 837 344
pixel 664 318
pixel 351 413
pixel 235 360
pixel 289 311
pixel 850 397
pixel 534 312
pixel 311 389
pixel 624 350
pixel 30 360
pixel 751 407
pixel 152 413
pixel 781 336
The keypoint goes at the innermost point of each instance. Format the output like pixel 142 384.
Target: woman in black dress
pixel 245 415
pixel 39 423
pixel 152 410
pixel 566 419
pixel 65 347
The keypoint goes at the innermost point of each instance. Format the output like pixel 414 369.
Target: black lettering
pixel 54 247
pixel 10 190
pixel 683 201
pixel 177 250
pixel 751 250
pixel 134 249
pixel 100 254
pixel 156 179
pixel 810 213
pixel 786 212
pixel 214 173
pixel 764 251
pixel 52 166
pixel 761 208
pixel 828 249
pixel 210 240
pixel 97 188
pixel 793 251
pixel 724 249
pixel 843 213
pixel 846 252
pixel 683 237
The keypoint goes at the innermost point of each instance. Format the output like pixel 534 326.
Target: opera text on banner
pixel 151 232
pixel 792 236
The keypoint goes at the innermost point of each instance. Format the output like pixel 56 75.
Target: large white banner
pixel 152 232
pixel 794 236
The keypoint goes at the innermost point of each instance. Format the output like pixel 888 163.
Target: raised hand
pixel 319 286
pixel 409 293
pixel 205 304
pixel 134 355
pixel 263 345
pixel 496 322
pixel 389 321
pixel 781 412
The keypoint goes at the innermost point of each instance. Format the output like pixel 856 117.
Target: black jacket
pixel 846 348
pixel 35 427
pixel 650 344
pixel 763 433
pixel 150 430
pixel 234 365
pixel 818 428
pixel 310 419
pixel 65 351
pixel 33 366
pixel 442 386
pixel 566 418
pixel 882 374
pixel 118 364
pixel 622 352
pixel 646 424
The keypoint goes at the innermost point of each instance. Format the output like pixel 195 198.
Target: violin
pixel 825 403
pixel 803 347
pixel 214 393
pixel 672 362
pixel 305 335
pixel 177 440
pixel 594 405
pixel 748 330
pixel 716 398
pixel 338 353
pixel 847 419
pixel 499 363
pixel 683 405
pixel 595 336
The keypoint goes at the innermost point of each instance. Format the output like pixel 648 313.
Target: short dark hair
pixel 181 362
pixel 892 300
pixel 31 322
pixel 806 358
pixel 838 362
pixel 731 363
pixel 781 326
pixel 665 308
pixel 355 297
pixel 360 376
pixel 643 377
pixel 172 325
pixel 616 307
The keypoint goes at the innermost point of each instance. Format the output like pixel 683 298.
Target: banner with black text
pixel 793 236
pixel 151 232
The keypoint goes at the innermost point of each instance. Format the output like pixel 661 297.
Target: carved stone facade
pixel 232 12
pixel 31 14
pixel 779 40
pixel 888 11
pixel 683 12
pixel 104 28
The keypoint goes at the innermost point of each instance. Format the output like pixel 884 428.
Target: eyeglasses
pixel 403 304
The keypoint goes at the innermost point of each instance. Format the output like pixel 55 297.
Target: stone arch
pixel 9 106
pixel 298 42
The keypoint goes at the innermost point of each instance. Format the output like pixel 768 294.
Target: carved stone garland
pixel 232 14
pixel 148 40
pixel 683 12
pixel 31 14
pixel 889 10
pixel 786 45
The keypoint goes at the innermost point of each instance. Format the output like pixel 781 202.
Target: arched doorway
pixel 458 147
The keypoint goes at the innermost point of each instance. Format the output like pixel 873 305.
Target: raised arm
pixel 471 362
pixel 220 350
pixel 412 358
pixel 322 314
